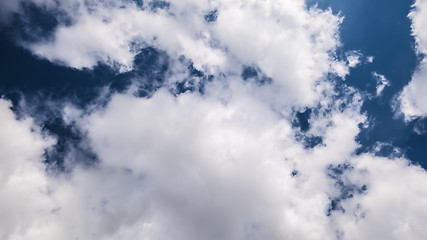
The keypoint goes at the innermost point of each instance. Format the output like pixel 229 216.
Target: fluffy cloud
pixel 394 204
pixel 198 166
pixel 23 184
pixel 193 167
pixel 226 164
pixel 287 42
pixel 413 102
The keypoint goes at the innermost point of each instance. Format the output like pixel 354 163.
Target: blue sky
pixel 213 119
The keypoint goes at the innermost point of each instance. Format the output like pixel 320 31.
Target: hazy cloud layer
pixel 242 159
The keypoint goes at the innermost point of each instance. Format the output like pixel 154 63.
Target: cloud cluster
pixel 413 102
pixel 283 39
pixel 228 163
pixel 192 167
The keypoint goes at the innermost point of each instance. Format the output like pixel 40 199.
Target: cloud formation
pixel 193 167
pixel 287 42
pixel 229 162
pixel 413 102
pixel 382 83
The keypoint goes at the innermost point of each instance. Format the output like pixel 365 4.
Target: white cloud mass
pixel 286 41
pixel 226 164
pixel 413 100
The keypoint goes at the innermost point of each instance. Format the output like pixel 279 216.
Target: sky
pixel 213 119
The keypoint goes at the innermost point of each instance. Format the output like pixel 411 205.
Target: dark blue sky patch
pixel 249 72
pixel 155 5
pixel 25 73
pixel 381 29
pixel 294 173
pixel 312 141
pixel 22 72
pixel 302 124
pixel 420 126
pixel 302 120
pixel 150 69
pixel 139 3
pixel 254 74
pixel 192 83
pixel 151 62
pixel 44 88
pixel 211 16
pixel 69 147
pixel 195 81
pixel 36 23
pixel 308 140
pixel 386 150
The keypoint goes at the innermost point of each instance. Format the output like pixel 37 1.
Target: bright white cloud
pixel 222 165
pixel 23 184
pixel 394 205
pixel 195 167
pixel 413 100
pixel 353 58
pixel 292 45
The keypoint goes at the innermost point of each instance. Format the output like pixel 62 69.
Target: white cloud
pixel 353 58
pixel 382 82
pixel 211 166
pixel 341 69
pixel 394 205
pixel 196 167
pixel 23 183
pixel 413 101
pixel 290 44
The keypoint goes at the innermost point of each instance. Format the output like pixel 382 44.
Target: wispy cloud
pixel 382 82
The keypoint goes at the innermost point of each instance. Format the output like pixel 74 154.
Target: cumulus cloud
pixel 23 184
pixel 354 58
pixel 287 42
pixel 193 167
pixel 413 102
pixel 226 164
pixel 379 213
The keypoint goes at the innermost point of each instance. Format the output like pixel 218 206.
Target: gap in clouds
pixel 382 29
pixel 42 89
pixel 346 190
pixel 302 123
